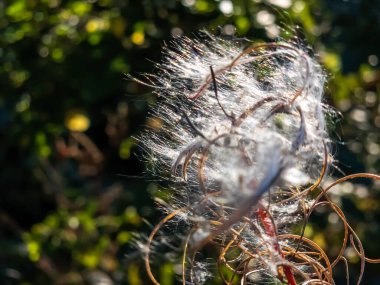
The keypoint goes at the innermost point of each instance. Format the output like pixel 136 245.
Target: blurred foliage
pixel 71 204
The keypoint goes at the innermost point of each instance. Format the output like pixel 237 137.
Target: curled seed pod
pixel 245 143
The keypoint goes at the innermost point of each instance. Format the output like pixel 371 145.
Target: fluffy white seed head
pixel 237 124
pixel 266 113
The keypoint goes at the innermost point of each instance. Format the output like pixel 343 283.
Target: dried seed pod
pixel 247 129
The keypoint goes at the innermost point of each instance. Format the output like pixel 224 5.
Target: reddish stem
pixel 271 231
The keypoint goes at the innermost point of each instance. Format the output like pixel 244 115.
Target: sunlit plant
pixel 245 143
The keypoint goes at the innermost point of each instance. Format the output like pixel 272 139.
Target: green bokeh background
pixel 74 195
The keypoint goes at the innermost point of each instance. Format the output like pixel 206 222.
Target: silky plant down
pixel 244 142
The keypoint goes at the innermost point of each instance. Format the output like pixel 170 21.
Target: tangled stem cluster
pixel 244 139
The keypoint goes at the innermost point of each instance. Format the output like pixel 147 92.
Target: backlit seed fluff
pixel 243 132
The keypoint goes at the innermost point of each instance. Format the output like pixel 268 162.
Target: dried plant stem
pixel 150 239
pixel 270 230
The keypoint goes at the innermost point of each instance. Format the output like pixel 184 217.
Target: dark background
pixel 73 192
